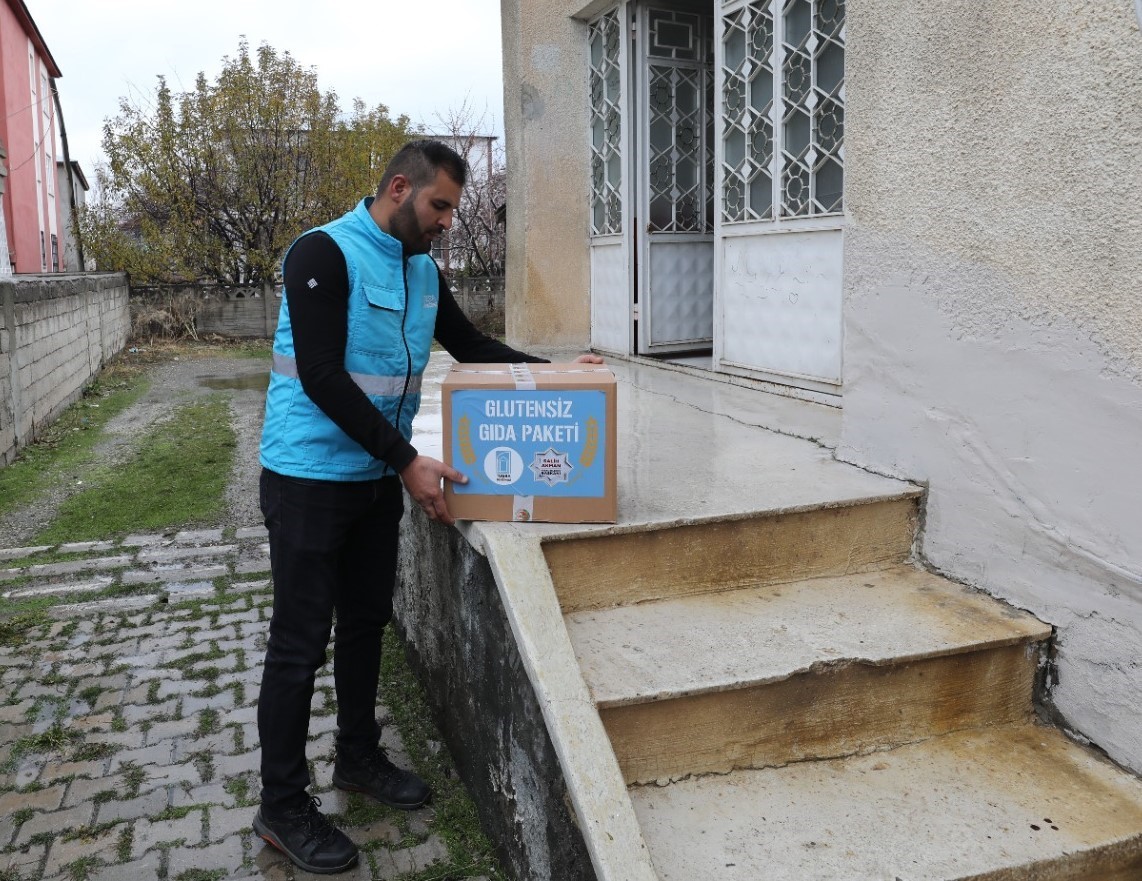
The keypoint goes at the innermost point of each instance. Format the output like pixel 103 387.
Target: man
pixel 361 303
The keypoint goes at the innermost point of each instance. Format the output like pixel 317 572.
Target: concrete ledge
pixel 484 631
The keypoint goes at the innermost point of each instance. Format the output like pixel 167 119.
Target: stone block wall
pixel 56 332
pixel 252 313
pixel 482 300
pixel 450 614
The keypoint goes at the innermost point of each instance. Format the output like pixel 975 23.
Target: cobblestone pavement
pixel 128 735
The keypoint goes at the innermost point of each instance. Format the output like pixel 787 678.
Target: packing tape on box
pixel 523 508
pixel 523 378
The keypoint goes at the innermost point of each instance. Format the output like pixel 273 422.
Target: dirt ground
pixel 176 379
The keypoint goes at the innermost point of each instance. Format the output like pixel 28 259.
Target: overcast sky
pixel 417 58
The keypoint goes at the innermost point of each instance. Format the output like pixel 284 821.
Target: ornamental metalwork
pixel 783 110
pixel 680 122
pixel 605 87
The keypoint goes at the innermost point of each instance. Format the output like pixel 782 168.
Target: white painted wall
pixel 993 283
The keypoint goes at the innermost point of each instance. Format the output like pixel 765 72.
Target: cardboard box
pixel 536 441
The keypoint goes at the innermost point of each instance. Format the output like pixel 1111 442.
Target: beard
pixel 406 228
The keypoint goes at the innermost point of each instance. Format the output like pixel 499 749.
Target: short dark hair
pixel 420 161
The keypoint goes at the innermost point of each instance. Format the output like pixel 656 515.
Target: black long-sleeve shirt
pixel 319 317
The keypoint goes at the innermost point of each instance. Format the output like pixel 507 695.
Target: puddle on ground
pixel 257 382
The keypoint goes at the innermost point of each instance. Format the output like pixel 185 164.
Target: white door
pixel 674 176
pixel 612 267
pixel 779 148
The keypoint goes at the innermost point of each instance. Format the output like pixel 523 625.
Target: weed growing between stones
pixel 21 816
pixel 123 845
pixel 201 875
pixel 133 778
pixel 204 764
pixel 93 752
pixel 14 629
pixel 55 739
pixel 455 819
pixel 79 870
pixel 90 694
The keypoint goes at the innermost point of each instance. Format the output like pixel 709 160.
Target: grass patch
pixel 133 778
pixel 455 821
pixel 14 628
pixel 18 615
pixel 90 694
pixel 20 816
pixel 188 457
pixel 207 723
pixel 255 349
pixel 66 444
pixel 93 752
pixel 201 875
pixel 53 740
pixel 81 869
pixel 123 845
pixel 239 787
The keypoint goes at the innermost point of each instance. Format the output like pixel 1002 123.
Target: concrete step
pixel 818 668
pixel 637 565
pixel 1021 803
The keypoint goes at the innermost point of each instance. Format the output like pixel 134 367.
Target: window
pixel 605 86
pixel 55 253
pixel 783 109
pixel 43 253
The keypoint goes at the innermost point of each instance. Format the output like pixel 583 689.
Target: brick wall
pixel 56 332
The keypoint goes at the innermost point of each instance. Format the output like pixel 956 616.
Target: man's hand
pixel 588 359
pixel 422 480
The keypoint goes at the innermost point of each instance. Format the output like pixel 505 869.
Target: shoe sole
pixel 344 785
pixel 267 836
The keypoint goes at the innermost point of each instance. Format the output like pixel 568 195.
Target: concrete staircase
pixel 790 698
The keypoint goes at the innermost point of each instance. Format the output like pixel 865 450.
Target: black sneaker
pixel 307 837
pixel 373 774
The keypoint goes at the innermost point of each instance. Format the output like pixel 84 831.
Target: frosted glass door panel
pixel 610 297
pixel 781 304
pixel 682 306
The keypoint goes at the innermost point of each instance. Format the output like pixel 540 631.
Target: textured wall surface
pixel 56 332
pixel 249 313
pixel 993 279
pixel 545 119
pixel 449 612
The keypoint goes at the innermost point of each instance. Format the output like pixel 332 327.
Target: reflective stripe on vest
pixel 388 386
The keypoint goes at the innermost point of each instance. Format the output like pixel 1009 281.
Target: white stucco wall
pixel 548 154
pixel 993 284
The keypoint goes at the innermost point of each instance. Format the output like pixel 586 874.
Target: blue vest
pixel 392 318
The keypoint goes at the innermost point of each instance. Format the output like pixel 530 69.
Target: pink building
pixel 33 213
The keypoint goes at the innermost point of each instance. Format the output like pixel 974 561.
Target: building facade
pixel 33 209
pixel 72 186
pixel 927 216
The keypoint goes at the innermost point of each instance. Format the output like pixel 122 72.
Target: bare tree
pixel 476 244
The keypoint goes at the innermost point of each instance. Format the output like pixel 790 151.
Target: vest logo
pixel 432 300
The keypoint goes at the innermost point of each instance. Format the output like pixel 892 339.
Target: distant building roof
pixel 78 172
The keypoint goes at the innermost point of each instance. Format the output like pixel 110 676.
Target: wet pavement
pixel 128 735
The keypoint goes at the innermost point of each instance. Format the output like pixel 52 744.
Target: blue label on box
pixel 530 443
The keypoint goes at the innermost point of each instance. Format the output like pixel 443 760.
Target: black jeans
pixel 333 548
